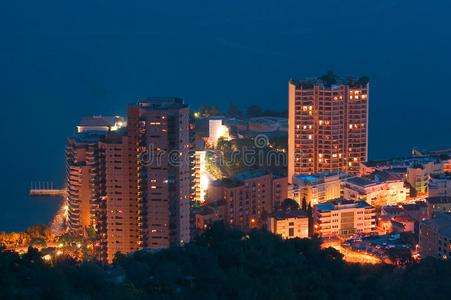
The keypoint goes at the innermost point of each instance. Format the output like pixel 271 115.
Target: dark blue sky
pixel 61 61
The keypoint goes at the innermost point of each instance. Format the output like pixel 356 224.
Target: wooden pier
pixel 45 189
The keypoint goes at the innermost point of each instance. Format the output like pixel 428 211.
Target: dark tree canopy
pixel 225 263
pixel 209 110
pixel 289 204
pixel 233 110
pixel 254 111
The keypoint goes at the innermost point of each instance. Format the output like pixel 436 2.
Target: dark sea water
pixel 62 60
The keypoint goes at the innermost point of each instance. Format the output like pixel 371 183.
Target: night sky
pixel 60 62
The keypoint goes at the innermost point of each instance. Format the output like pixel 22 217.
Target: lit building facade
pixel 378 189
pixel 248 195
pixel 435 237
pixel 119 227
pixel 132 186
pixel 84 173
pixel 158 136
pixel 205 215
pixel 440 185
pixel 200 178
pixel 342 217
pixel 289 224
pixel 101 123
pixel 327 126
pixel 217 130
pixel 438 205
pixel 316 188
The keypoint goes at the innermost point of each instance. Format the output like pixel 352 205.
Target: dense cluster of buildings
pixel 127 180
pixel 141 181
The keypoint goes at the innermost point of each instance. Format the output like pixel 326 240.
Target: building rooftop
pixel 398 162
pixel 377 177
pixel 435 200
pixel 392 209
pixel 101 123
pixel 161 103
pixel 317 177
pixel 285 214
pixel 441 176
pixel 89 136
pixel 417 205
pixel 330 82
pixel 422 152
pixel 238 179
pixel 339 203
pixel 443 223
pixel 251 174
pixel 403 219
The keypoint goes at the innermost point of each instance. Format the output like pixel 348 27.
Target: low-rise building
pixel 438 205
pixel 402 218
pixel 205 215
pixel 435 237
pixel 343 217
pixel 248 195
pixel 415 170
pixel 403 224
pixel 440 185
pixel 316 188
pixel 380 188
pixel 217 130
pixel 392 211
pixel 417 210
pixel 289 224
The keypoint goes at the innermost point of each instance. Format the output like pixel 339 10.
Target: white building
pixel 217 130
pixel 378 189
pixel 200 179
pixel 316 188
pixel 341 217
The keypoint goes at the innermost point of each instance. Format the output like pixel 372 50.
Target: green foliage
pixel 21 239
pixel 254 111
pixel 212 168
pixel 329 78
pixel 242 155
pixel 233 111
pixel 310 219
pixel 224 263
pixel 37 242
pixel 289 204
pixel 209 110
pixel 304 204
pixel 279 143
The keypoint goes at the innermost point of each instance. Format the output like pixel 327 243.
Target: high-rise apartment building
pixel 119 228
pixel 327 125
pixel 85 171
pixel 132 185
pixel 101 189
pixel 158 135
